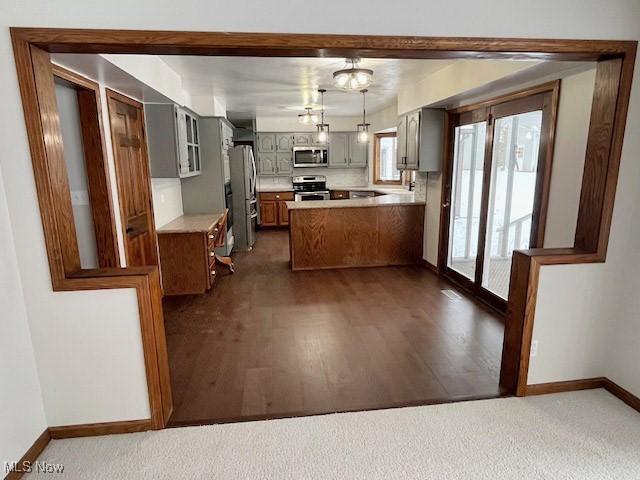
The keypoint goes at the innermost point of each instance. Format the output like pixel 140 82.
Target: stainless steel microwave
pixel 310 157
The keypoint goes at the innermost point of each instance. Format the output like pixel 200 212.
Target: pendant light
pixel 363 128
pixel 353 78
pixel 308 118
pixel 323 128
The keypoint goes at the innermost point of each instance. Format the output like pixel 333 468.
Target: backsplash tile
pixel 335 177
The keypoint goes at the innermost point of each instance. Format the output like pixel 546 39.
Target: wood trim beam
pixel 596 164
pixel 66 40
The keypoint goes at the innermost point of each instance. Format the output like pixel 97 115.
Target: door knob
pixel 445 205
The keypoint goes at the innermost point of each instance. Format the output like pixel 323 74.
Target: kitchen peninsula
pixel 375 231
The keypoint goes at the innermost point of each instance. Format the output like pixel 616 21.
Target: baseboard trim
pixel 32 454
pixel 624 395
pixel 566 386
pixel 429 266
pixel 96 429
pixel 585 384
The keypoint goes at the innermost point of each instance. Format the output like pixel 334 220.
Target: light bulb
pixel 353 82
pixel 322 136
pixel 363 79
pixel 341 80
pixel 363 136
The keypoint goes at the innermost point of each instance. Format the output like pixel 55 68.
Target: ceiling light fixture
pixel 353 78
pixel 363 128
pixel 308 118
pixel 323 128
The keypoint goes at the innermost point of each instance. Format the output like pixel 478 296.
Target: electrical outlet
pixel 534 348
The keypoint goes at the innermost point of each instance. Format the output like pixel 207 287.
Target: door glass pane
pixel 513 182
pixel 466 195
pixel 189 129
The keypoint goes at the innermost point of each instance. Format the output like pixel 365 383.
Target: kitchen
pixel 272 187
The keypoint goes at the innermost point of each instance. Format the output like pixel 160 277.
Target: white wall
pixel 571 19
pixel 453 79
pixel 167 199
pixel 22 417
pixel 289 123
pixel 572 129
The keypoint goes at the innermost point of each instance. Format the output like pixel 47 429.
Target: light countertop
pixel 407 198
pixel 192 223
pixel 274 188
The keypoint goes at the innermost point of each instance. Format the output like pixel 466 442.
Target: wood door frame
pixel 96 164
pixel 114 95
pixel 614 73
pixel 482 111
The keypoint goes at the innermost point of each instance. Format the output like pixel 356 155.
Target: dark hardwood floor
pixel 268 342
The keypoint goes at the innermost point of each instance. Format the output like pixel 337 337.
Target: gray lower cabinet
pixel 419 142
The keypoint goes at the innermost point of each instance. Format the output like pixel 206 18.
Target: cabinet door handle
pixel 213 272
pixel 277 196
pixel 211 237
pixel 211 254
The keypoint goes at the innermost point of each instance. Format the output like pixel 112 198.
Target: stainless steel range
pixel 310 187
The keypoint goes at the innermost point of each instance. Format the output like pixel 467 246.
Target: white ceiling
pixel 284 86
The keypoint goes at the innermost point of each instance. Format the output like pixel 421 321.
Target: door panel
pixel 413 140
pixel 357 152
pixel 466 198
pixel 132 173
pixel 496 189
pixel 516 146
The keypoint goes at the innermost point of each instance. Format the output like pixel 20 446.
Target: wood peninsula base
pixel 367 236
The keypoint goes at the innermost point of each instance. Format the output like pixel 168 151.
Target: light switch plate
pixel 79 197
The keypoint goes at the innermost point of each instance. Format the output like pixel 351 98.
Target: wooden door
pixel 357 152
pixel 132 174
pixel 413 141
pixel 268 213
pixel 283 213
pixel 338 150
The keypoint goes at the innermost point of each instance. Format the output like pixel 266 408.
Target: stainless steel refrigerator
pixel 245 205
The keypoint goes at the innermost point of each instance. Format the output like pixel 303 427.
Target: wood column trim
pixel 32 454
pixel 596 164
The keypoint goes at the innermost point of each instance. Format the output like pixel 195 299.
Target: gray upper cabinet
pixel 173 141
pixel 413 141
pixel 284 163
pixel 266 142
pixel 267 164
pixel 419 142
pixel 338 150
pixel 302 139
pixel 284 142
pixel 357 152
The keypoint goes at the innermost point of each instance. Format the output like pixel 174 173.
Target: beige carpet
pixel 581 435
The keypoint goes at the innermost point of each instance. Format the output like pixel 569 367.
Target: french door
pixel 496 188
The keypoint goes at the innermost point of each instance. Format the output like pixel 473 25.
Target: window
pixel 384 159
